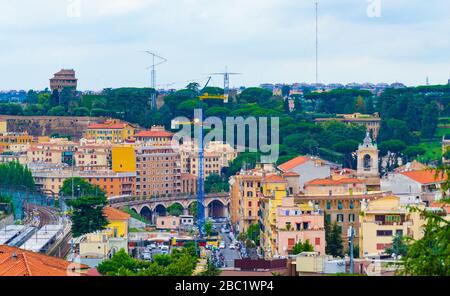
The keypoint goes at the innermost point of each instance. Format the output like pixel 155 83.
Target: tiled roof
pixel 274 179
pixel 330 182
pixel 290 174
pixel 18 262
pixel 154 134
pixel 425 176
pixel 293 163
pixel 107 126
pixel 113 214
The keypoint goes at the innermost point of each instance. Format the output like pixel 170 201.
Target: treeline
pixel 13 174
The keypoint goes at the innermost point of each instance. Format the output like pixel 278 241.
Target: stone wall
pixel 8 220
pixel 49 125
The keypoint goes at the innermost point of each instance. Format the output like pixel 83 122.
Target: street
pixel 229 254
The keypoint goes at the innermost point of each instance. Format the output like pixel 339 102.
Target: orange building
pixel 114 184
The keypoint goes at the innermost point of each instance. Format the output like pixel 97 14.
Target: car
pixel 232 247
pixel 152 246
pixel 164 252
pixel 146 255
pixel 165 248
pixel 222 245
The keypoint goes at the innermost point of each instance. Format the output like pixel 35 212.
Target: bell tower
pixel 368 159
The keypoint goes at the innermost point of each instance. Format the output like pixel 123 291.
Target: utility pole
pixel 317 42
pixel 351 235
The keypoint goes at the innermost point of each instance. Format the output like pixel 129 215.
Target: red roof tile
pixel 287 166
pixel 114 214
pixel 154 134
pixel 425 176
pixel 330 182
pixel 274 179
pixel 18 262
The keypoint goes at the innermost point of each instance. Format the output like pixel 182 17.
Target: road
pixel 229 254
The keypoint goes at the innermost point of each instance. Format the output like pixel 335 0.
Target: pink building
pixel 298 223
pixel 167 223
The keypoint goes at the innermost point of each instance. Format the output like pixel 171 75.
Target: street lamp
pixel 351 235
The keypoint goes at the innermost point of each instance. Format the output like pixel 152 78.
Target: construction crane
pixel 226 84
pixel 201 156
pixel 155 63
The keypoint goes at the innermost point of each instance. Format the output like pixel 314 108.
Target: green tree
pixel 300 247
pixel 216 184
pixel 360 105
pixel 208 228
pixel 211 270
pixel 80 187
pixel 175 210
pixel 430 120
pixel 333 237
pixel 87 214
pixel 13 174
pixel 254 233
pixel 399 246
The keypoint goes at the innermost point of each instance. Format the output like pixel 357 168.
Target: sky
pixel 268 41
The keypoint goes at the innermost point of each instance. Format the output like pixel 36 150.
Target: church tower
pixel 368 160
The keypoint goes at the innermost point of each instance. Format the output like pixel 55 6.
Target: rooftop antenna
pixel 317 42
pixel 157 60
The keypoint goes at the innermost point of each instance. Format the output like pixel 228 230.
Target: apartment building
pixel 62 79
pixel 114 131
pixel 289 224
pixel 382 219
pixel 158 171
pixel 217 155
pixel 156 136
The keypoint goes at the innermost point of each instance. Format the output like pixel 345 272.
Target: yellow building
pixel 123 159
pixel 113 131
pixel 3 127
pixel 273 189
pixel 118 223
pixel 381 220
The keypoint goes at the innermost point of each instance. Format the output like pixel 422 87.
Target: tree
pixel 81 187
pixel 297 105
pixel 430 120
pixel 57 111
pixel 13 174
pixel 414 151
pixel 399 246
pixel 360 105
pixel 87 214
pixel 300 247
pixel 175 210
pixel 333 237
pixel 216 184
pixel 208 228
pixel 254 233
pixel 54 98
pixel 211 270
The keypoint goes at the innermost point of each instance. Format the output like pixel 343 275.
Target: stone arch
pixel 216 208
pixel 147 213
pixel 160 210
pixel 367 162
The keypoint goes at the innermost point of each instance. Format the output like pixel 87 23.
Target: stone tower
pixel 368 159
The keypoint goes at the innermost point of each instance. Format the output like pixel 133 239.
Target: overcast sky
pixel 266 40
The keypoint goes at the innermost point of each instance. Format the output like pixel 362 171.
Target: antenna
pixel 226 84
pixel 317 42
pixel 162 60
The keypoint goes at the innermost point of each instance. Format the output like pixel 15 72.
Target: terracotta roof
pixel 425 176
pixel 293 163
pixel 274 179
pixel 330 182
pixel 154 134
pixel 107 126
pixel 18 262
pixel 290 174
pixel 411 166
pixel 114 214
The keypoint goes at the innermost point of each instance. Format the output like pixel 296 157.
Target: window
pixel 399 232
pixel 340 218
pixel 317 241
pixel 340 205
pixel 384 232
pixel 352 205
pixel 351 218
pixel 328 205
pixel 328 218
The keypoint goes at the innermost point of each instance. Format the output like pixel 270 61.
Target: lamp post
pixel 351 235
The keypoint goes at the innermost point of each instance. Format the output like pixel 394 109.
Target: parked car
pixel 232 247
pixel 222 245
pixel 147 256
pixel 152 246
